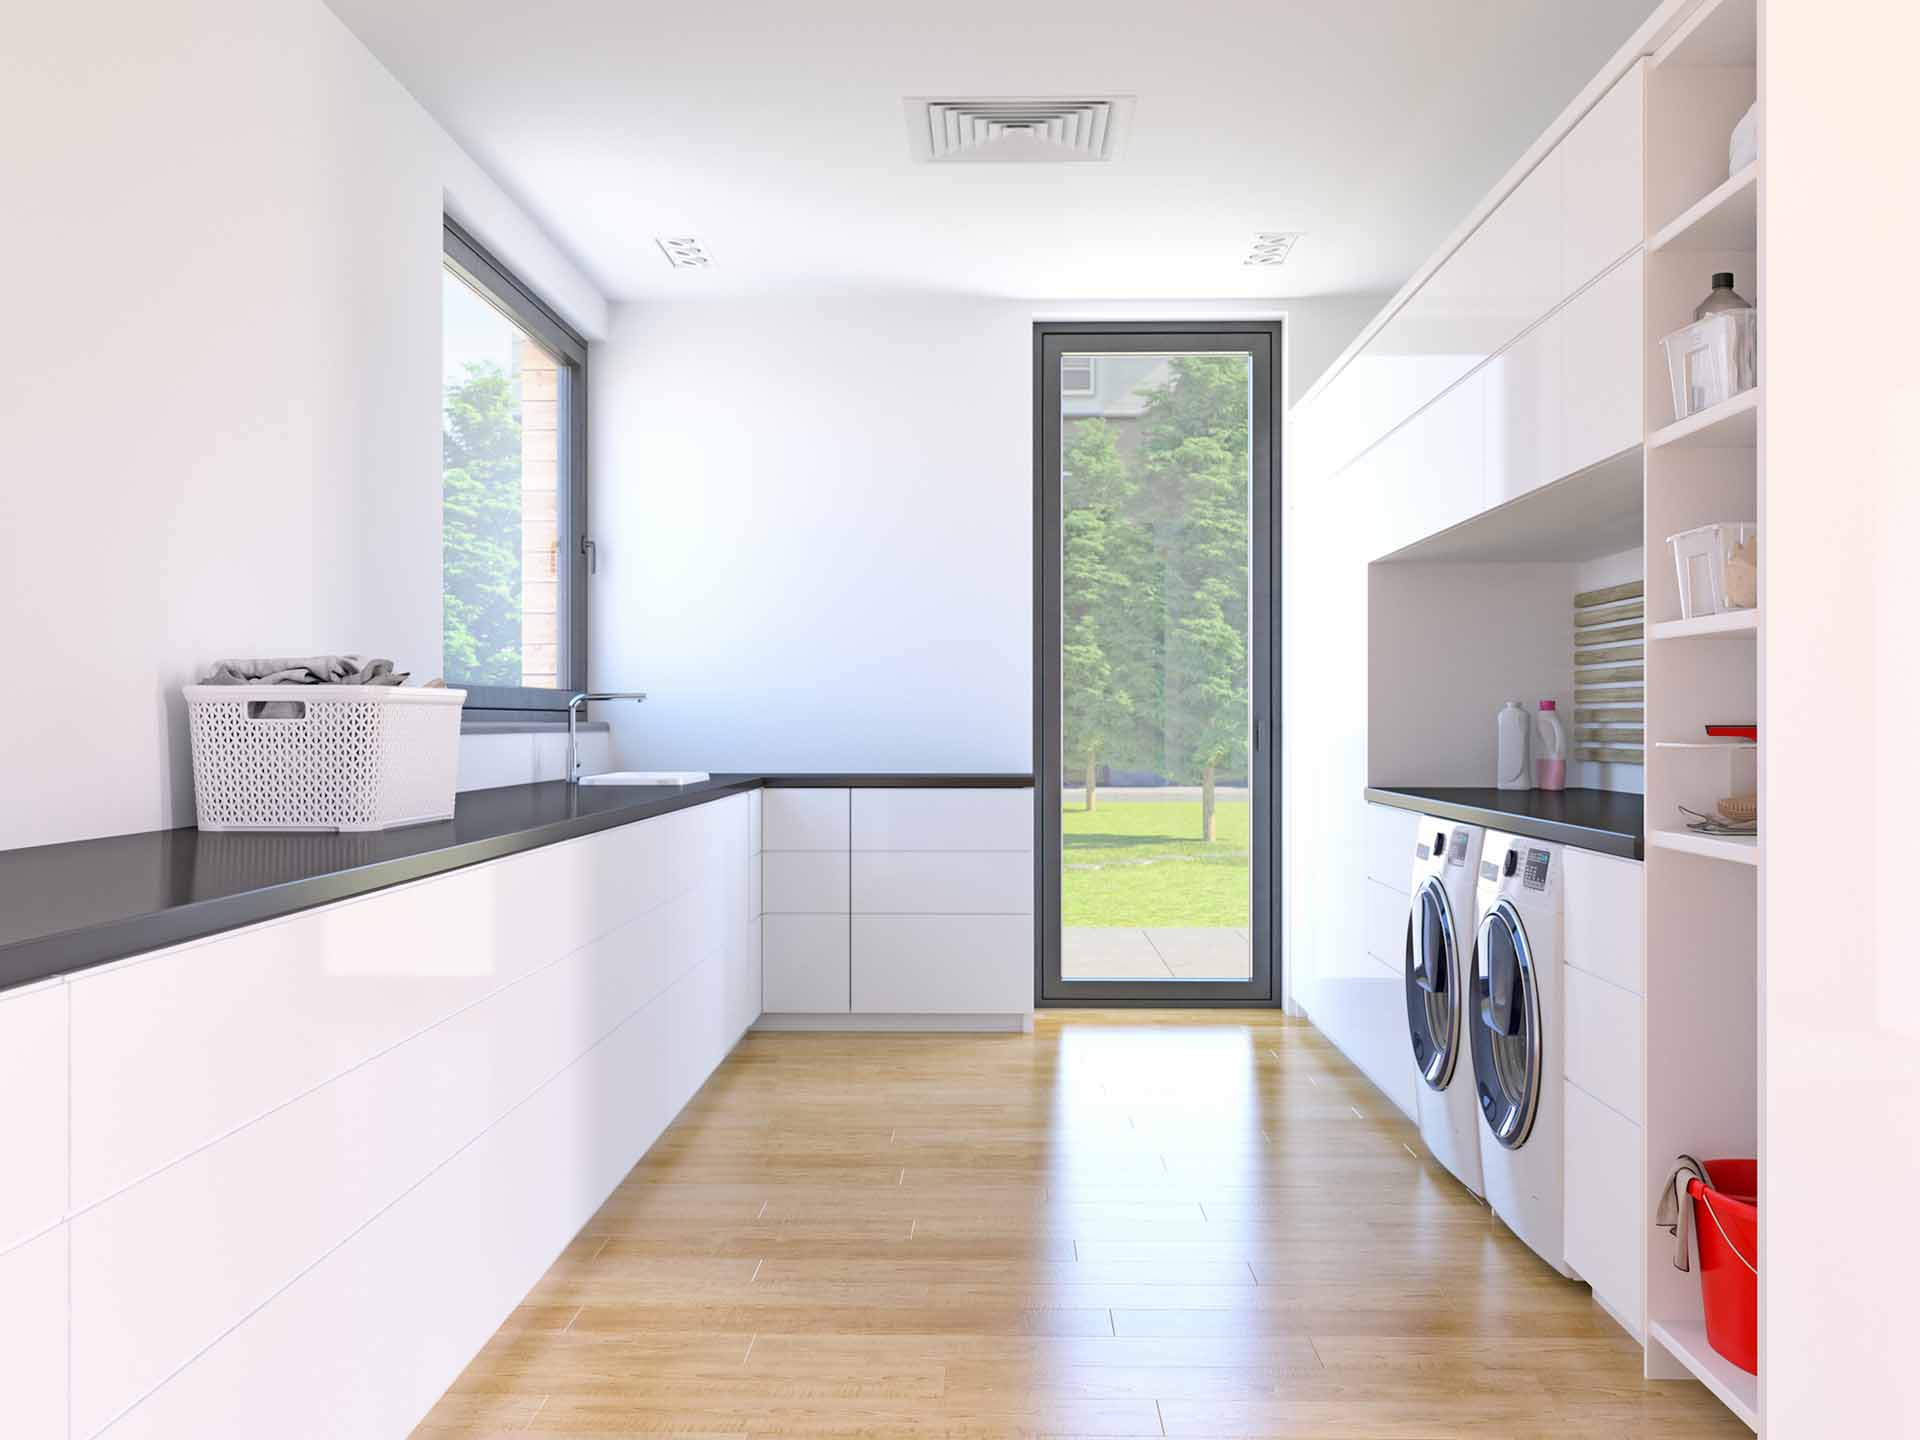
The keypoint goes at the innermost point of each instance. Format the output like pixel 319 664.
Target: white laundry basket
pixel 354 757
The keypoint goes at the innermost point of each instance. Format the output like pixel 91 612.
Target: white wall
pixel 815 523
pixel 221 411
pixel 1839 513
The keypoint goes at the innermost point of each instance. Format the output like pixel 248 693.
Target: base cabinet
pixel 920 905
pixel 314 1164
pixel 1605 1201
pixel 942 964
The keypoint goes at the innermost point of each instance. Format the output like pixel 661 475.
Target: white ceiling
pixel 773 130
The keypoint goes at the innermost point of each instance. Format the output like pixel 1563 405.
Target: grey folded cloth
pixel 310 670
pixel 1676 1207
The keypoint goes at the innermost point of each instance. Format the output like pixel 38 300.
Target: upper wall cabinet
pixel 1602 212
pixel 1574 215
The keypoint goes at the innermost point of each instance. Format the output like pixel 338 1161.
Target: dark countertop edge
pixel 69 952
pixel 827 781
pixel 1623 844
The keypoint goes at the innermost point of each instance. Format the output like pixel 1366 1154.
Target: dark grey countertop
pixel 1608 821
pixel 67 907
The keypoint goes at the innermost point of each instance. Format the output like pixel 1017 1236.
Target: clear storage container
pixel 323 757
pixel 1717 566
pixel 1712 360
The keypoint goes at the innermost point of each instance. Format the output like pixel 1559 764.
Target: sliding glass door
pixel 1155 532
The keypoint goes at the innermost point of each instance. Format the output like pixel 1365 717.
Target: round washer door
pixel 1503 1016
pixel 1435 984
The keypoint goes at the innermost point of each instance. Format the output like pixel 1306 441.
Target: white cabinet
pixel 1605 900
pixel 804 818
pixel 1601 356
pixel 1524 421
pixel 805 882
pixel 898 901
pixel 1606 1201
pixel 942 902
pixel 246 1161
pixel 934 819
pixel 1602 208
pixel 1390 842
pixel 33 1335
pixel 806 885
pixel 942 882
pixel 807 964
pixel 1603 1026
pixel 942 964
pixel 33 1111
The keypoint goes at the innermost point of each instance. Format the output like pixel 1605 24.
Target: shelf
pixel 1740 849
pixel 1706 744
pixel 1730 622
pixel 1719 33
pixel 1726 219
pixel 1732 1386
pixel 1731 425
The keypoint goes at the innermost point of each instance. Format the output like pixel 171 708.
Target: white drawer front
pixel 33 1111
pixel 1605 898
pixel 1387 923
pixel 1390 845
pixel 33 1336
pixel 943 820
pixel 957 883
pixel 805 964
pixel 804 819
pixel 1606 1197
pixel 805 882
pixel 1603 1041
pixel 945 964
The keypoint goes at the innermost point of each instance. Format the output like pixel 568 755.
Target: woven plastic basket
pixel 353 757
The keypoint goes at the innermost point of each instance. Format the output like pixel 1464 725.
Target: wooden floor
pixel 1123 1224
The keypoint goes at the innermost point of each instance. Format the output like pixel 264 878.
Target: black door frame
pixel 1261 339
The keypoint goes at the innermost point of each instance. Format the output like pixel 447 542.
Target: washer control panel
pixel 1535 875
pixel 1457 848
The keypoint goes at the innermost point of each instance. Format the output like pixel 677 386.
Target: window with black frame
pixel 513 490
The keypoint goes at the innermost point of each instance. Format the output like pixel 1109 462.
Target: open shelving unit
pixel 1737 1390
pixel 1703 891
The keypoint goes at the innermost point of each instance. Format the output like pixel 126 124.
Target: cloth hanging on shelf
pixel 1675 1214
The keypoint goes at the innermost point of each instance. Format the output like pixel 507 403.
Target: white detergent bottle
pixel 1549 749
pixel 1513 771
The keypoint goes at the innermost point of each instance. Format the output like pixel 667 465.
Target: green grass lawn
pixel 1142 863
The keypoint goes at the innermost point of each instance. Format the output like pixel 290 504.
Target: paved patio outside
pixel 1116 953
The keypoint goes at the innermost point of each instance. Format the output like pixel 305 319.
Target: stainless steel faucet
pixel 573 724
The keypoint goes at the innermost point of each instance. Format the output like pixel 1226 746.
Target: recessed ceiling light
pixel 1271 247
pixel 683 252
pixel 1013 129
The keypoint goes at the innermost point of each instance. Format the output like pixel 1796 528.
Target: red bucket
pixel 1726 1217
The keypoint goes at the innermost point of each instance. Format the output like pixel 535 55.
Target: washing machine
pixel 1440 915
pixel 1515 1021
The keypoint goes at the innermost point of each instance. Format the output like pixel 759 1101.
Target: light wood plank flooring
pixel 1124 1224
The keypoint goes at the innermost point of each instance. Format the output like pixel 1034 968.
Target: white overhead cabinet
pixel 892 903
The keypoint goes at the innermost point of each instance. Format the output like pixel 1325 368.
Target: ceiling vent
pixel 1271 247
pixel 683 252
pixel 1016 130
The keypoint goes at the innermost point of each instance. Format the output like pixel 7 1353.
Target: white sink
pixel 647 777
